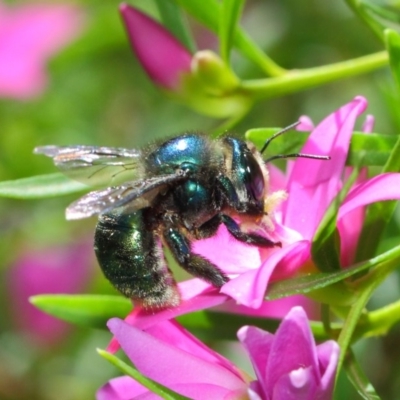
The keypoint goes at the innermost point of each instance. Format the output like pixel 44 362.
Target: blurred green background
pixel 98 94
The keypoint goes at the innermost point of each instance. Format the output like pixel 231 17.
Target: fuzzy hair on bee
pixel 168 195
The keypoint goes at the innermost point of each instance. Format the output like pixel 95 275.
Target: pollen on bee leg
pixel 273 200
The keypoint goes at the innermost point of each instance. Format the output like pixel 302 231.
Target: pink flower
pixel 311 186
pixel 173 357
pixel 288 362
pixel 289 365
pixel 201 81
pixel 161 55
pixel 29 35
pixel 62 269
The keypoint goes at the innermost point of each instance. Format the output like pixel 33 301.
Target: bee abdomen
pixel 131 258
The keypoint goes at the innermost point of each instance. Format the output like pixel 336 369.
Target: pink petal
pixel 60 269
pixel 274 308
pixel 350 226
pixel 232 256
pixel 257 343
pixel 313 184
pixel 299 384
pixel 161 55
pixel 121 388
pixel 277 179
pixel 29 35
pixel 306 124
pixel 292 261
pixel 249 288
pixel 172 333
pixel 293 348
pixel 379 188
pixel 125 388
pixel 369 124
pixel 196 295
pixel 328 355
pixel 168 364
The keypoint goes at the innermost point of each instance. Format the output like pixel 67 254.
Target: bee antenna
pixel 275 135
pixel 298 155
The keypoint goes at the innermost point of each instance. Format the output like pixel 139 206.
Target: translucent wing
pixel 132 196
pixel 95 166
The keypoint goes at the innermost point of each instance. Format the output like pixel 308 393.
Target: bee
pixel 169 194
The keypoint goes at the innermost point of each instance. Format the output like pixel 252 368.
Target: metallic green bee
pixel 166 195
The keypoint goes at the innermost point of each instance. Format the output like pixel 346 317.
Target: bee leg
pixel 193 263
pixel 250 238
pixel 131 257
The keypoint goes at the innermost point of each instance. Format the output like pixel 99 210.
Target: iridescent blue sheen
pixel 187 152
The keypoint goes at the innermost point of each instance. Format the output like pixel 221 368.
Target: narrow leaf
pixel 153 386
pixel 312 282
pixel 40 186
pixel 88 310
pixel 326 242
pixel 358 378
pixel 229 17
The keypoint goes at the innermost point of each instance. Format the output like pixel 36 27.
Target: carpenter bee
pixel 168 194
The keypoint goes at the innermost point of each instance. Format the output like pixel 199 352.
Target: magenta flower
pixel 311 186
pixel 289 365
pixel 62 269
pixel 29 35
pixel 173 357
pixel 201 81
pixel 288 362
pixel 161 55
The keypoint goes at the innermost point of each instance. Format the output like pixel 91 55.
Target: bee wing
pixel 93 165
pixel 132 196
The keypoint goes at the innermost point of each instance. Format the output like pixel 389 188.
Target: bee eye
pixel 255 178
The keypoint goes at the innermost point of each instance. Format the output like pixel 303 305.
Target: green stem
pixel 326 318
pixel 379 322
pixel 365 287
pixel 246 45
pixel 297 80
pixel 227 125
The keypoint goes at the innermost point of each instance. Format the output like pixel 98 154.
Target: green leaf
pixel 40 186
pixel 392 40
pixel 153 386
pixel 87 310
pixel 326 242
pixel 365 149
pixel 229 18
pixel 172 19
pixel 314 282
pixel 358 378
